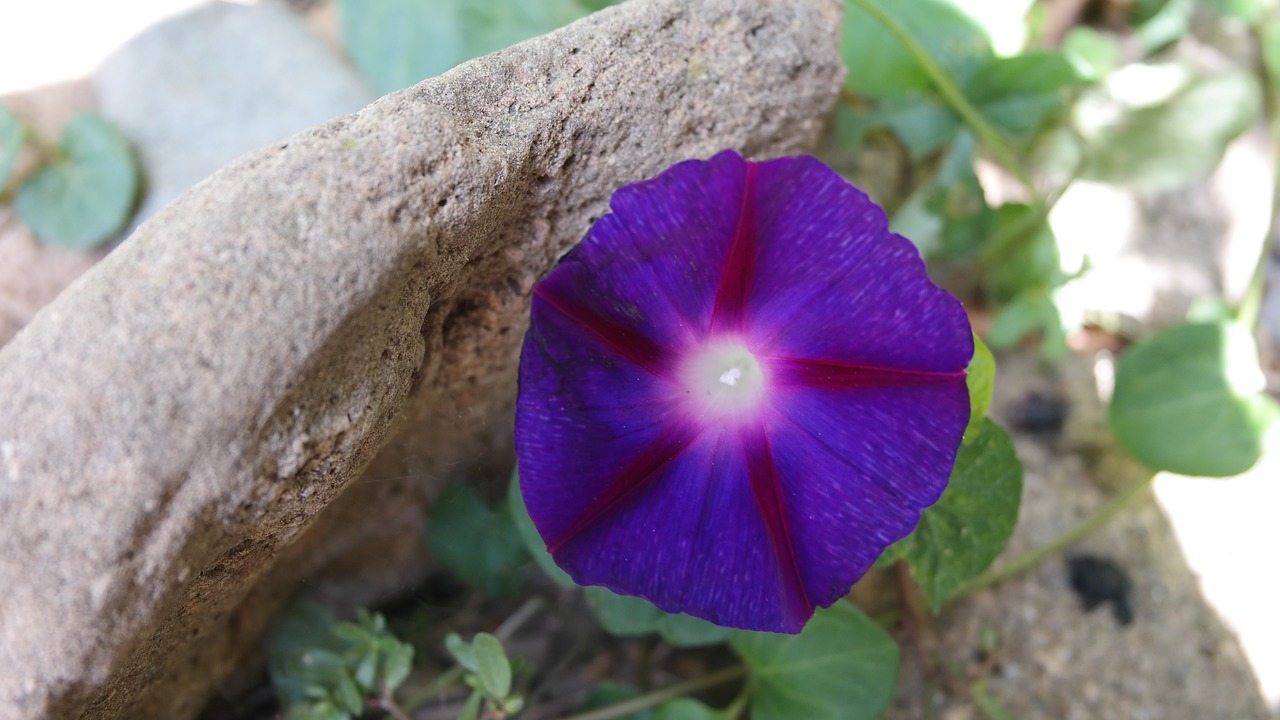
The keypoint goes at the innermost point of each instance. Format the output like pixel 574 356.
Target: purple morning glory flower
pixel 737 391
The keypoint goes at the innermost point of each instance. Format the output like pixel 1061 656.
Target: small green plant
pixel 81 190
pixel 327 670
pixel 488 673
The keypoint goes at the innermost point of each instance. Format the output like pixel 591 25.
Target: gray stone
pixel 263 386
pixel 196 91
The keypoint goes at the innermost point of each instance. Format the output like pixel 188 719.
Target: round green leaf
pixel 398 43
pixel 493 667
pixel 1188 400
pixel 881 68
pixel 961 534
pixel 842 666
pixel 12 135
pixel 85 196
pixel 622 615
pixel 478 544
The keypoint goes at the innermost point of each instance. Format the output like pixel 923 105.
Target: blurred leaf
pixel 85 195
pixel 1189 400
pixel 1249 11
pixel 958 198
pixel 923 124
pixel 302 628
pixel 1032 311
pixel 960 535
pixel 1173 142
pixel 622 615
pixel 981 381
pixel 1093 54
pixel 842 666
pixel 880 67
pixel 478 544
pixel 1018 94
pixel 1269 35
pixel 471 709
pixel 398 661
pixel 529 535
pixel 687 631
pixel 494 668
pixel 608 692
pixel 683 709
pixel 1029 260
pixel 398 43
pixel 12 134
pixel 1158 23
pixel 461 651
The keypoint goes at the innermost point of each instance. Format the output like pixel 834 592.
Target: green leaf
pixel 1190 400
pixel 1029 261
pixel 923 124
pixel 881 68
pixel 1161 22
pixel 1248 11
pixel 462 651
pixel 1018 94
pixel 12 135
pixel 1093 54
pixel 397 661
pixel 1170 143
pixel 85 196
pixel 398 43
pixel 981 381
pixel 683 709
pixel 493 667
pixel 301 629
pixel 348 695
pixel 1269 35
pixel 366 671
pixel 960 535
pixel 529 535
pixel 1032 311
pixel 607 693
pixel 842 666
pixel 471 709
pixel 622 615
pixel 478 544
pixel 687 631
pixel 958 198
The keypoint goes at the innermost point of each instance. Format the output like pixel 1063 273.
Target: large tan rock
pixel 183 432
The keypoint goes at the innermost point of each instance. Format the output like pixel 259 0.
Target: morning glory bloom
pixel 737 391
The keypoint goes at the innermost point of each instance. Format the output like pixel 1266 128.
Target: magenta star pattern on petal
pixel 737 391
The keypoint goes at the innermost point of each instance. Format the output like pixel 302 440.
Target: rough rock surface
pixel 199 89
pixel 185 428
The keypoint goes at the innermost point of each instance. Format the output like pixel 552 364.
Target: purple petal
pixel 676 230
pixel 695 541
pixel 834 284
pixel 857 465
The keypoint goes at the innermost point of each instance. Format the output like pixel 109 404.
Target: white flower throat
pixel 725 378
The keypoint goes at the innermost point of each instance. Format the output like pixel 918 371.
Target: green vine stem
pixel 658 697
pixel 1082 529
pixel 954 97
